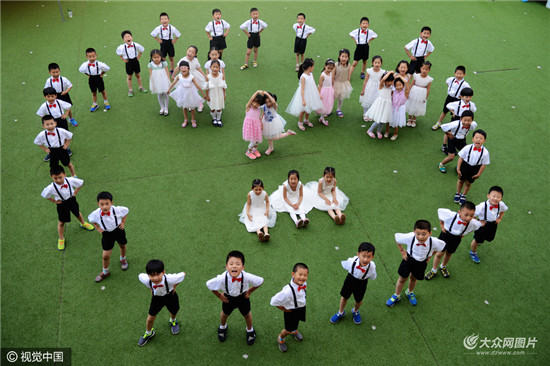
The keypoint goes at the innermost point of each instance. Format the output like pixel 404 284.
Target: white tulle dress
pixel 311 94
pixel 319 203
pixel 279 204
pixel 257 211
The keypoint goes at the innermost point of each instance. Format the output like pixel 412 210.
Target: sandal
pixel 301 126
pixel 290 132
pixel 309 124
pixel 184 124
pixel 194 123
pixel 442 168
pixel 413 123
pixel 323 121
pixel 339 114
pixel 269 151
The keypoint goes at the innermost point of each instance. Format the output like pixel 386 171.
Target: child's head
pixel 192 52
pixel 377 61
pixel 398 84
pixel 425 32
pixel 329 65
pixel 495 195
pixel 425 68
pixel 91 55
pixel 58 174
pixel 214 53
pixel 293 178
pixel 217 14
pixel 402 67
pixel 460 72
pixel 422 230
pixel 215 66
pixel 299 273
pixel 258 100
pixel 479 137
pixel 364 23
pixel 254 13
pixel 329 174
pixel 467 211
pixel 49 123
pixel 234 263
pixel 466 94
pixel 268 102
pixel 343 56
pixel 467 118
pixel 155 270
pixel 184 67
pixel 365 252
pixel 156 56
pixel 127 36
pixel 50 94
pixel 389 80
pixel 105 201
pixel 53 69
pixel 301 18
pixel 164 18
pixel 257 186
pixel 306 66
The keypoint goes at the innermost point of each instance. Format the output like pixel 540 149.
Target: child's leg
pixel 251 146
pixel 303 56
pixel 150 322
pixel 306 115
pixel 122 251
pixel 340 102
pixel 166 101
pixel 412 283
pixel 448 159
pixel 467 186
pixel 60 229
pixel 255 54
pixel 364 66
pixel 353 66
pixel 459 185
pixel 380 126
pixel 331 214
pixel 171 62
pixel 374 126
pixel 80 218
pixel 358 305
pixel 219 114
pixel 106 260
pixel 338 212
pixel 270 143
pixel 71 169
pixel 365 109
pixel 301 117
pixel 193 114
pixel 395 131
pixel 442 117
pixel 185 114
pixel 343 302
pixel 213 113
pixel 474 245
pixel 247 57
pixel 94 97
pixel 446 259
pixel 248 320
pixel 266 230
pixel 129 81
pixel 399 285
pixel 302 216
pixel 138 77
pixel 70 114
pixel 283 334
pixel 297 59
pixel 104 93
pixel 437 259
pixel 160 98
pixel 221 53
pixel 223 319
pixel 293 217
pixel 445 139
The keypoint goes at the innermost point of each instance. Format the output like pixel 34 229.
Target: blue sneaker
pixel 356 317
pixel 457 198
pixel 412 298
pixel 362 75
pixel 73 122
pixel 107 105
pixel 393 300
pixel 336 318
pixel 93 109
pixel 462 199
pixel 474 257
pixel 47 157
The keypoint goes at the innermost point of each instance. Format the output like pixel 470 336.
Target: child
pixel 163 291
pixel 399 96
pixel 303 31
pixel 217 31
pixel 252 125
pixel 306 99
pixel 381 110
pixel 235 293
pixel 292 198
pixel 402 70
pixel 419 49
pixel 328 197
pixel 159 79
pixel 195 69
pixel 273 125
pixel 215 93
pixel 326 90
pixel 455 85
pixel 214 55
pixel 420 248
pixel 186 94
pixel 62 192
pixel 110 221
pixel 454 225
pixel 485 212
pixel 342 85
pixel 95 70
pixel 418 96
pixel 167 35
pixel 256 214
pixel 369 93
pixel 456 132
pixel 292 300
pixel 457 109
pixel 58 109
pixel 471 163
pixel 62 86
pixel 57 141
pixel 252 28
pixel 362 37
pixel 360 268
pixel 129 47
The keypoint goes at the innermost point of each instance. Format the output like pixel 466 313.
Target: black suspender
pixel 359 36
pixel 58 138
pixel 303 30
pixel 480 155
pixel 102 223
pixel 135 51
pixel 58 106
pixel 165 284
pixel 459 86
pixel 257 26
pixel 411 247
pixel 169 32
pixel 226 283
pixel 498 210
pixel 459 123
pixel 353 269
pixel 59 193
pixel 429 248
pixel 214 27
pixel 96 68
pixel 60 80
pixel 425 48
pixel 294 295
pixel 453 222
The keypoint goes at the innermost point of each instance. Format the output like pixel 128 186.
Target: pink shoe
pixel 291 133
pixel 413 124
pixel 268 151
pixel 301 126
pixel 379 135
pixel 323 121
pixel 251 155
pixel 371 134
pixel 184 124
pixel 256 153
pixel 309 124
pixel 194 123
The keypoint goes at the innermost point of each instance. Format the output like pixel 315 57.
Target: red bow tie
pixel 466 127
pixel 302 287
pixel 103 213
pixel 64 186
pixel 362 270
pixel 55 80
pixel 426 42
pixel 218 23
pixel 255 22
pixel 477 149
pixel 156 286
pixel 299 27
pixel 91 65
pixel 164 28
pixel 466 105
pixel 236 279
pixel 491 207
pixel 423 244
pixel 130 45
pixel 53 105
pixel 51 133
pixel 364 32
pixel 456 81
pixel 462 223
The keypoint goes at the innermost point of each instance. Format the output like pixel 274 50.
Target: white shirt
pixel 110 221
pixel 59 86
pixel 303 31
pixel 286 298
pixel 418 48
pixel 215 29
pixel 459 107
pixel 55 110
pixel 457 128
pixel 363 38
pixel 453 224
pixel 129 51
pixel 234 288
pixel 354 268
pixel 209 62
pixel 455 86
pixel 474 157
pixel 166 33
pixel 45 138
pixel 418 251
pixel 254 26
pixel 160 289
pixel 66 189
pixel 97 68
pixel 487 212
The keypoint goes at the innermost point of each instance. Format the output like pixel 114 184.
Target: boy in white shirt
pixel 130 52
pixel 455 134
pixel 303 31
pixel 362 37
pixel 419 49
pixel 252 28
pixel 62 86
pixel 454 87
pixel 55 142
pixel 95 70
pixel 167 35
pixel 471 163
pixel 217 30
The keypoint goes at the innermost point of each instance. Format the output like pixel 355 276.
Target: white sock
pixel 340 313
pixel 172 320
pixel 250 330
pixel 294 217
pixel 251 145
pixel 166 101
pixel 122 258
pixel 105 270
pixel 213 114
pixel 353 310
pixel 105 101
pixel 223 326
pixel 148 332
pixel 303 216
pixel 340 102
pixel 219 115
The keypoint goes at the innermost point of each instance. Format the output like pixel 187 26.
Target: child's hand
pixel 224 298
pixel 296 206
pixel 125 61
pixel 121 226
pixel 206 78
pixel 404 254
pixel 168 92
pixel 497 221
pixel 327 202
pixel 266 213
pixel 475 176
pixel 413 58
pixel 160 40
pixel 362 93
pixel 207 98
pixel 57 202
pixel 304 103
pixel 459 173
pixel 249 217
pixel 47 151
pixel 99 229
pixel 483 223
pixel 64 92
pixel 335 202
pixel 246 295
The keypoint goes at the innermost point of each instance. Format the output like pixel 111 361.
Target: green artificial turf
pixel 186 187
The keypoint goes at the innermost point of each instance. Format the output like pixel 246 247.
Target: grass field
pixel 185 188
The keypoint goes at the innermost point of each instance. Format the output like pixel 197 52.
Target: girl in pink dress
pixel 252 125
pixel 326 90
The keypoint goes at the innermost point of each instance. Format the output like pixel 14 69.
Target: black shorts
pixel 486 232
pixel 65 208
pixel 96 83
pixel 132 66
pixel 412 267
pixel 468 171
pixel 218 42
pixel 253 40
pixel 236 302
pixel 454 145
pixel 414 67
pixel 167 48
pixel 65 98
pixel 451 241
pixel 448 100
pixel 171 301
pixel 361 52
pixel 293 318
pixel 300 45
pixel 354 286
pixel 62 123
pixel 108 238
pixel 58 154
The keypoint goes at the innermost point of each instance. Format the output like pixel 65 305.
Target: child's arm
pixel 425 57
pixel 499 218
pixel 410 54
pixel 458 165
pixel 367 75
pixel 139 55
pixel 65 92
pixel 220 296
pixel 403 251
pixel 172 85
pixel 383 80
pixel 76 190
pixel 165 69
pixel 334 200
pixel 285 197
pixel 428 88
pixel 321 194
pixel 123 223
pixel 225 34
pixel 442 224
pixel 245 30
pixel 302 91
pixel 321 79
pixel 273 102
pixel 250 290
pixel 251 100
pixel 209 36
pixel 198 87
pixel 267 205
pixel 66 144
pixel 175 39
pixel 54 201
pixel 207 95
pixel 223 75
pixel 297 205
pixel 248 203
pixel 97 227
pixel 123 59
pixel 481 169
pixel 203 74
pixel 284 309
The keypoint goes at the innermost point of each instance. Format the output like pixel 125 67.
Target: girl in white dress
pixel 195 68
pixel 186 94
pixel 306 99
pixel 215 94
pixel 257 214
pixel 159 79
pixel 371 84
pixel 326 90
pixel 273 124
pixel 214 55
pixel 420 90
pixel 291 197
pixel 381 110
pixel 328 197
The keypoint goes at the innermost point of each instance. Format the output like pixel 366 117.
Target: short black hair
pixel 496 189
pixel 90 50
pixel 364 18
pixel 467 114
pixel 423 225
pixel 47 117
pixel 390 76
pixel 235 254
pixel 293 172
pixel 215 62
pixel 299 265
pixel 461 68
pixel 216 11
pixel 104 196
pixel 253 9
pixel 125 32
pixel 56 170
pixel 183 63
pixel 469 205
pixel 163 14
pixel 366 247
pixel 154 266
pixel 53 66
pixel 467 92
pixel 49 91
pixel 424 28
pixel 481 132
pixel 257 183
pixel 302 14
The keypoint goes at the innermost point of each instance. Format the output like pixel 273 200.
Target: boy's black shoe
pixel 250 337
pixel 222 333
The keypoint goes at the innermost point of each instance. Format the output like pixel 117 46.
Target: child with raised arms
pixel 95 70
pixel 273 125
pixel 55 142
pixel 420 247
pixel 456 133
pixel 360 269
pixel 472 161
pixel 159 79
pixel 252 28
pixel 110 221
pixel 328 197
pixel 326 90
pixel 186 94
pixel 163 291
pixel 457 109
pixel 214 55
pixel 342 85
pixel 130 52
pixel 418 96
pixel 419 49
pixel 167 35
pixel 362 37
pixel 303 31
pixel 257 214
pixel 306 99
pixel 454 87
pixel 252 125
pixel 399 96
pixel 371 85
pixel 292 300
pixel 381 110
pixel 233 287
pixel 62 86
pixel 215 93
pixel 291 197
pixel 217 30
pixel 489 213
